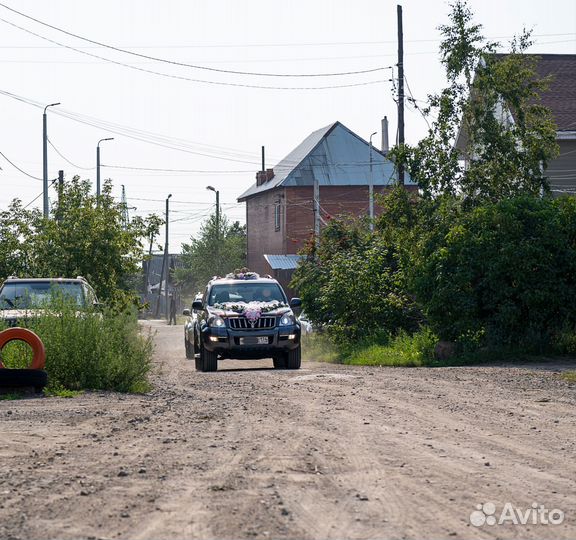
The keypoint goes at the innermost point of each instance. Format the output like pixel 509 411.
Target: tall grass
pixel 88 349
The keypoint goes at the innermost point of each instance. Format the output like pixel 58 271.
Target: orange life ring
pixel 27 336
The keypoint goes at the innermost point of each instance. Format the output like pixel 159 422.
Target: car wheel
pixel 294 358
pixel 279 362
pixel 208 360
pixel 189 349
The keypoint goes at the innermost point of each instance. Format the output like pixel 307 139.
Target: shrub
pixel 354 284
pixel 505 272
pixel 90 350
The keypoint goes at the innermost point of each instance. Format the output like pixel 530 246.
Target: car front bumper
pixel 262 343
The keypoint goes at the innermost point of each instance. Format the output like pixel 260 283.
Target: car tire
pixel 279 362
pixel 294 358
pixel 189 349
pixel 208 360
pixel 18 378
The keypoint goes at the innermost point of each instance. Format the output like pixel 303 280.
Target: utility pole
pixel 371 189
pixel 125 215
pixel 45 160
pixel 316 212
pixel 60 191
pixel 400 91
pixel 166 257
pixel 98 167
pixel 164 266
pixel 217 246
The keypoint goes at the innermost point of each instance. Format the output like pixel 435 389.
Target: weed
pixel 569 376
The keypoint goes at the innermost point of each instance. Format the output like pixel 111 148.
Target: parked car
pixel 190 344
pixel 22 298
pixel 244 316
pixel 305 324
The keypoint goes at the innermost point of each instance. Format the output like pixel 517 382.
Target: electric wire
pixel 19 169
pixel 67 160
pixel 182 78
pixel 183 64
pixel 39 195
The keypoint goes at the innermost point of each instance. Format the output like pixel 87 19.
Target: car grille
pixel 241 323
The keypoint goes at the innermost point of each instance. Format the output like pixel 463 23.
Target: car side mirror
pixel 295 302
pixel 186 312
pixel 198 305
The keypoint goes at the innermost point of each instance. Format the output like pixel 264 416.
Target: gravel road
pixel 328 451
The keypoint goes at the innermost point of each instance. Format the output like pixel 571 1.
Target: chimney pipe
pixel 263 160
pixel 385 142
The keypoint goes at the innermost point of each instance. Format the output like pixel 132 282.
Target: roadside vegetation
pixel 88 347
pixel 480 263
pixel 86 350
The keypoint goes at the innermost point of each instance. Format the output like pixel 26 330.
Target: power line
pixel 182 78
pixel 19 169
pixel 38 196
pixel 67 160
pixel 183 64
pixel 258 45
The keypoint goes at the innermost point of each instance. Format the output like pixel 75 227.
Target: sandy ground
pixel 325 452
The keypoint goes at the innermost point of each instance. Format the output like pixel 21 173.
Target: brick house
pixel 280 205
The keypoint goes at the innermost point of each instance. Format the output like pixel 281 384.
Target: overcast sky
pixel 176 121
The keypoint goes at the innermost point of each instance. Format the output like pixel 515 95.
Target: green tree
pixel 216 250
pixel 492 104
pixel 87 237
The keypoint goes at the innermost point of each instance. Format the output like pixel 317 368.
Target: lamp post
pixel 210 188
pixel 164 270
pixel 217 247
pixel 45 159
pixel 166 262
pixel 98 166
pixel 371 189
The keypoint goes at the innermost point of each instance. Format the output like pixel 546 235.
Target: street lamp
pixel 371 188
pixel 98 166
pixel 217 246
pixel 210 188
pixel 164 271
pixel 45 159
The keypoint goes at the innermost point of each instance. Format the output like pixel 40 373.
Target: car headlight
pixel 216 322
pixel 287 319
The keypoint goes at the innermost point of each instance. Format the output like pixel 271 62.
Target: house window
pixel 277 215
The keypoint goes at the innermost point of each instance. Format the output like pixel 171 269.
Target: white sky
pixel 227 124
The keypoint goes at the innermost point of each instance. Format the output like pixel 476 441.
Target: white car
pixel 305 324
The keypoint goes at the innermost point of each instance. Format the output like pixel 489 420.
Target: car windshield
pixel 25 295
pixel 245 292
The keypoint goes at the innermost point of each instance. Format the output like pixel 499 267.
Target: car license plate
pixel 254 340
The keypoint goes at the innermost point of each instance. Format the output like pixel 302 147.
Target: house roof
pixel 335 156
pixel 560 97
pixel 283 262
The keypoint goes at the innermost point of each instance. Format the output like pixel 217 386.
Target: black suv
pixel 243 316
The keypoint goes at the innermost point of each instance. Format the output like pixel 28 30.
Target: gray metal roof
pixel 283 262
pixel 334 155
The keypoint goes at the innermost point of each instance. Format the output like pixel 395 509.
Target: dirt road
pixel 326 452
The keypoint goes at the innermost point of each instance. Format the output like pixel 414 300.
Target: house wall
pixel 334 200
pixel 261 230
pixel 562 170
